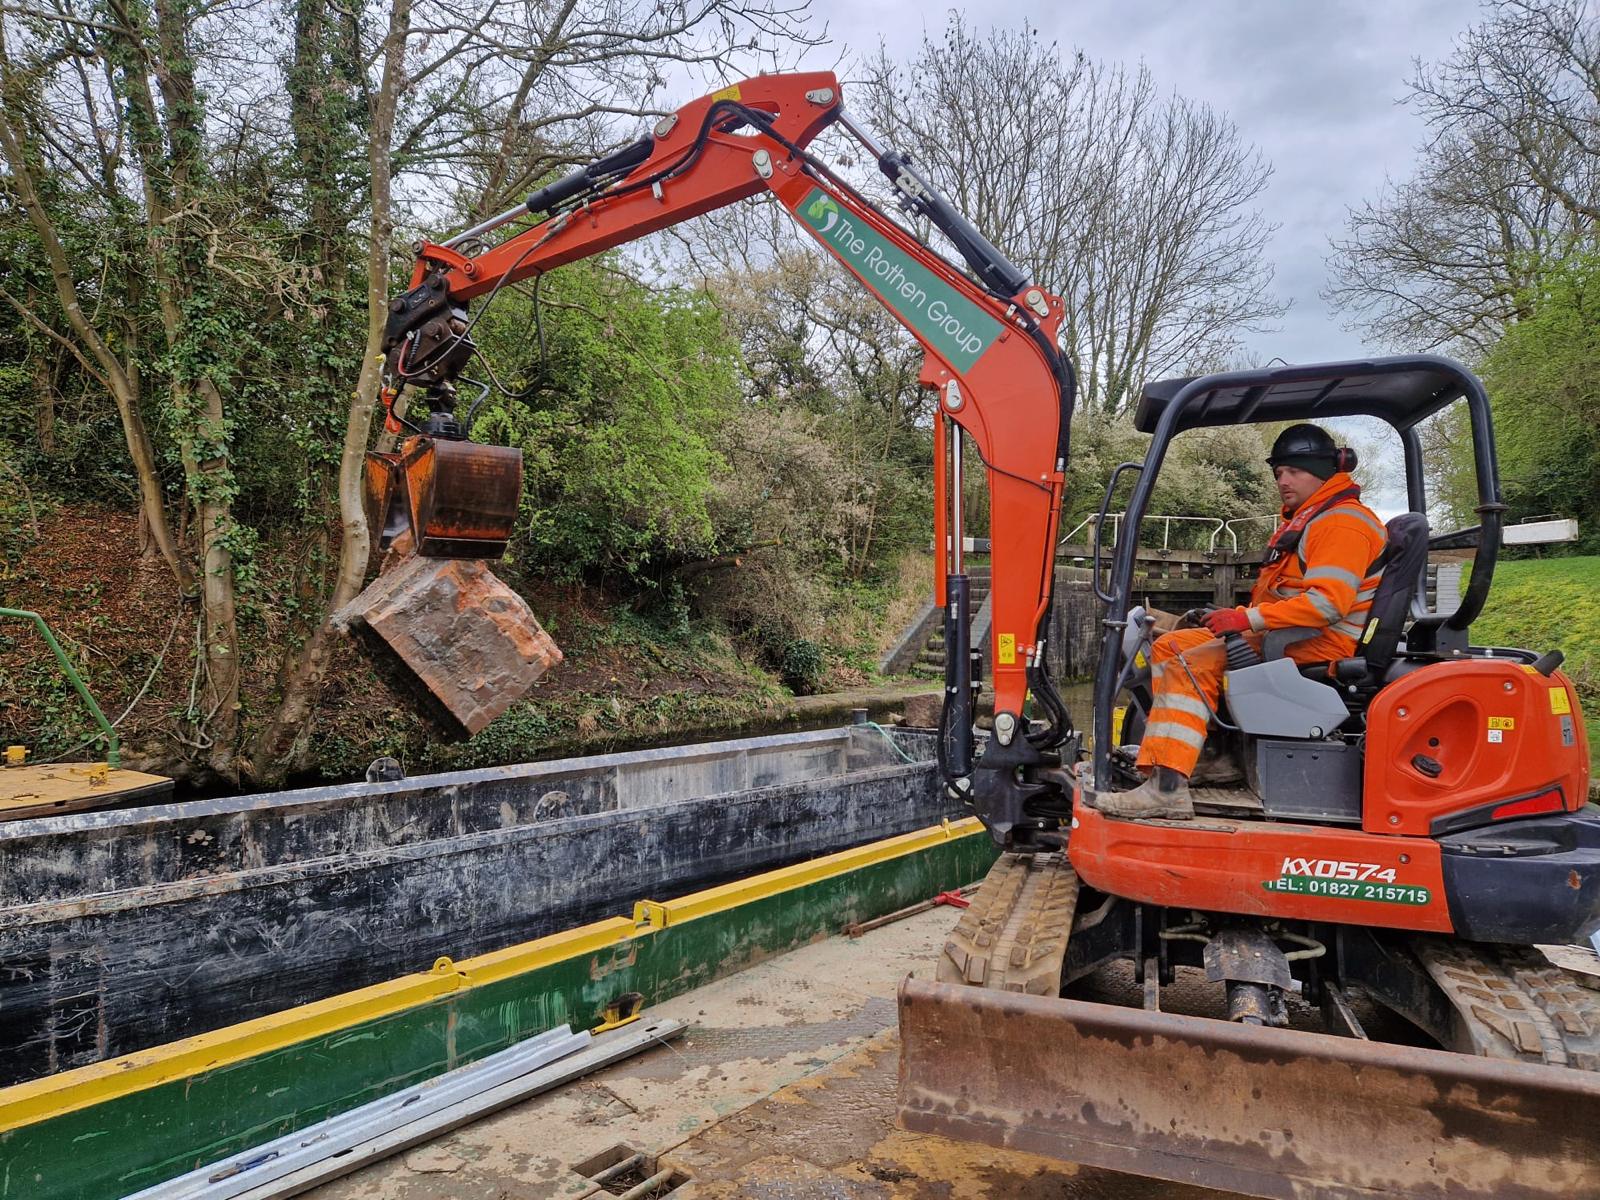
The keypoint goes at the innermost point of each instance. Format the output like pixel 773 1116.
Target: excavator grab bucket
pixel 1259 1111
pixel 383 494
pixel 461 496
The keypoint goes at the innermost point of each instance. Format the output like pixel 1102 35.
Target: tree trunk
pixel 214 513
pixel 170 140
pixel 44 409
pixel 92 349
pixel 303 681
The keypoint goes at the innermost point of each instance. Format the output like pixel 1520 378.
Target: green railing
pixel 113 748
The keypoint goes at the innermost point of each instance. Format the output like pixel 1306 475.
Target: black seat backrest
pixel 1403 561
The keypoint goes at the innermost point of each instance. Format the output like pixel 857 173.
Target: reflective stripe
pixel 1176 732
pixel 1373 522
pixel 1349 511
pixel 1338 573
pixel 1349 626
pixel 1326 608
pixel 1258 623
pixel 1192 705
pixel 1367 593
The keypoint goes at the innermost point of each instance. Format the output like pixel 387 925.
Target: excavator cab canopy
pixel 1403 391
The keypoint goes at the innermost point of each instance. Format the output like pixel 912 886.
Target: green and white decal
pixel 1344 881
pixel 953 325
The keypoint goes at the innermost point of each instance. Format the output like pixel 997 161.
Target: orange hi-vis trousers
pixel 1179 713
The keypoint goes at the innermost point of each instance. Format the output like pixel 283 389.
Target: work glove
pixel 1227 620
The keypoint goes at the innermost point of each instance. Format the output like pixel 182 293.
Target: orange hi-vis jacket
pixel 1324 583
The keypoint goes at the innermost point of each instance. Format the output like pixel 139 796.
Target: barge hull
pixel 104 1131
pixel 121 931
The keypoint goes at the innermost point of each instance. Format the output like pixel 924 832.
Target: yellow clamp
pixel 624 1010
pixel 16 755
pixel 650 914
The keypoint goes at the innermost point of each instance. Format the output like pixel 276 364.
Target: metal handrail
pixel 1219 527
pixel 1091 519
pixel 1228 527
pixel 113 747
pixel 1166 528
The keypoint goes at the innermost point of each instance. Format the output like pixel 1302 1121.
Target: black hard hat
pixel 1309 449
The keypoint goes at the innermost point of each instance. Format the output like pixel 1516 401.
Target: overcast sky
pixel 1316 85
pixel 1313 83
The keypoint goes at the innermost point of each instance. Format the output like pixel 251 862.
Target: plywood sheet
pixel 45 790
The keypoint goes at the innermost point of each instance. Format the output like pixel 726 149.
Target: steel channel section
pixel 1266 1112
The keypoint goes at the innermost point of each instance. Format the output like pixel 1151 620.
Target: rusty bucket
pixel 383 494
pixel 462 496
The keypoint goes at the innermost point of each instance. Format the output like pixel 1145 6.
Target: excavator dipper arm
pixel 989 354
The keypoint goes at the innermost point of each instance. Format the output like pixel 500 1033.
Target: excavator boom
pixel 989 343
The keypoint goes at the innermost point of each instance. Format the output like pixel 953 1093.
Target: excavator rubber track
pixel 991 1053
pixel 1511 1002
pixel 1013 935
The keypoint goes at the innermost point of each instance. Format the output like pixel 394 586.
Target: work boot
pixel 1164 796
pixel 1215 770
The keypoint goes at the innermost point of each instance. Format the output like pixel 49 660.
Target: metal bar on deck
pixel 341 1144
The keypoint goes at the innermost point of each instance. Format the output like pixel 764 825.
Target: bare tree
pixel 155 121
pixel 1508 182
pixel 1527 80
pixel 1442 260
pixel 169 124
pixel 1137 207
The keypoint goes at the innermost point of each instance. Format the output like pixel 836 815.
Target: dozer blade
pixel 462 496
pixel 1262 1111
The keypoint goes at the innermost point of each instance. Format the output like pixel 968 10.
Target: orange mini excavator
pixel 1411 828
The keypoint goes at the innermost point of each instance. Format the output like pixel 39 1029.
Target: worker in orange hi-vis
pixel 1318 574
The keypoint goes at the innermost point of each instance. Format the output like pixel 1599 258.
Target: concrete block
pixel 451 633
pixel 922 711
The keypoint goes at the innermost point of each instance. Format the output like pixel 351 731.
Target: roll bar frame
pixel 1428 632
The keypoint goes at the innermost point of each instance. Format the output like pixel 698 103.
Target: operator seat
pixel 1403 562
pixel 1270 698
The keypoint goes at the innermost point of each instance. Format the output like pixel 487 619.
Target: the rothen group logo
pixel 825 210
pixel 959 330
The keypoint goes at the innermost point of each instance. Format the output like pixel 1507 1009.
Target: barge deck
pixel 783 1086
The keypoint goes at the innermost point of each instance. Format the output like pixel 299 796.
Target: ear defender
pixel 1344 459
